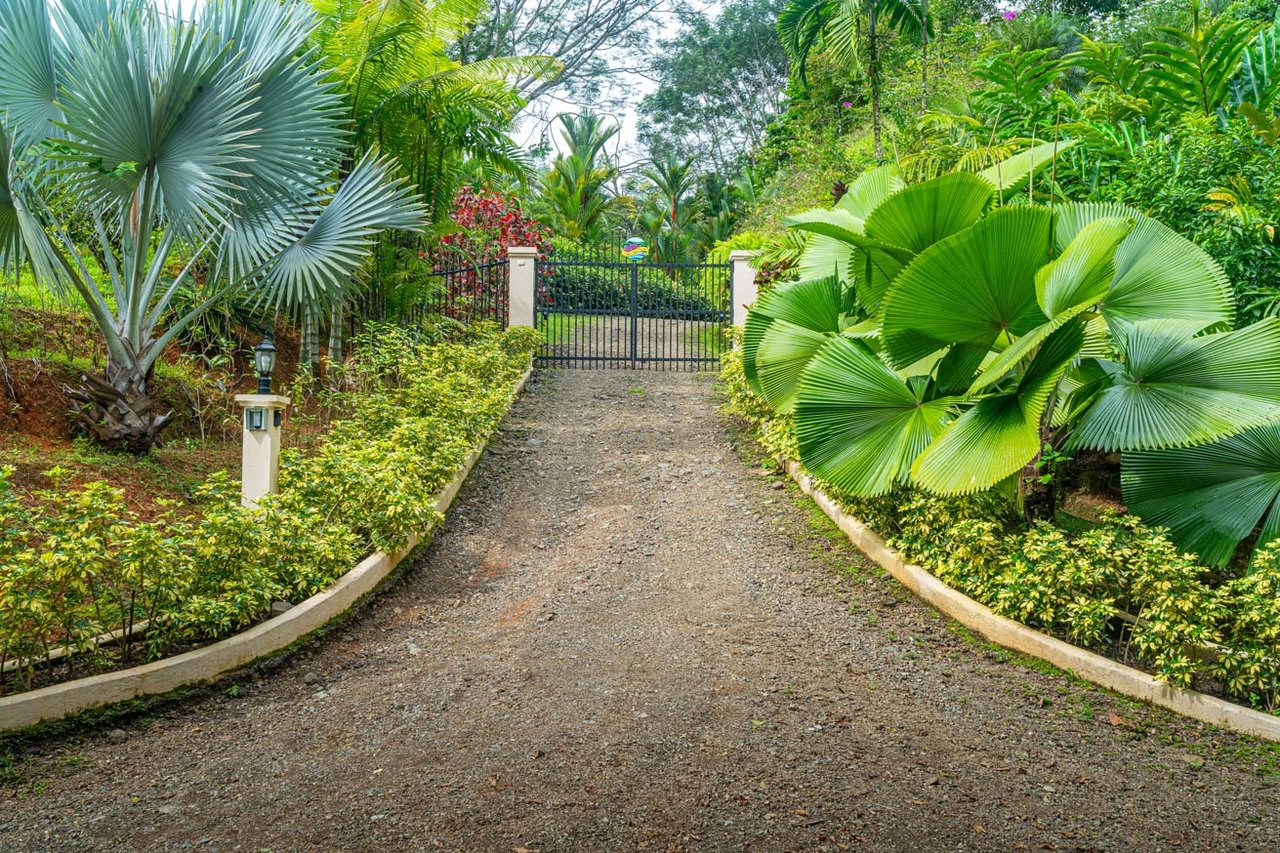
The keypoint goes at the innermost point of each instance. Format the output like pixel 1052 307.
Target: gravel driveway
pixel 631 637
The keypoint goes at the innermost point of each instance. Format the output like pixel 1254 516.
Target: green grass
pixel 24 290
pixel 562 328
pixel 705 341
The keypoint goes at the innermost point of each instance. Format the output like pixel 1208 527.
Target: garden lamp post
pixel 260 458
pixel 264 358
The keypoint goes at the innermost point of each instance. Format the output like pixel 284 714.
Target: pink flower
pixel 1009 16
pixel 848 104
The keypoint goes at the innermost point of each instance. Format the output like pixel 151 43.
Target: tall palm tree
pixel 573 195
pixel 206 151
pixel 675 181
pixel 837 26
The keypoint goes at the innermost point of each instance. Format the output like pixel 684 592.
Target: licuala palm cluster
pixel 957 344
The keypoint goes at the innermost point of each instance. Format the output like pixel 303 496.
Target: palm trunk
pixel 117 409
pixel 336 320
pixel 873 71
pixel 924 55
pixel 1039 499
pixel 309 345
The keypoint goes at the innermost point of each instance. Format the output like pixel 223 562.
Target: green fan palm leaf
pixel 971 288
pixel 922 214
pixel 1175 390
pixel 1211 496
pixel 1159 274
pixel 814 306
pixel 858 424
pixel 1003 432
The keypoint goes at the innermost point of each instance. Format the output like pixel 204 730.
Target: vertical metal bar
pixel 635 281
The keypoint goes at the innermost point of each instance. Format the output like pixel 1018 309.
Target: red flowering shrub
pixel 470 258
pixel 491 221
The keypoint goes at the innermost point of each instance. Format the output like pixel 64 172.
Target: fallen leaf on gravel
pixel 1116 720
pixel 977 827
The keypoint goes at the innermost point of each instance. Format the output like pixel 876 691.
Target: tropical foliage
pixel 1117 585
pixel 194 166
pixel 80 562
pixel 959 347
pixel 444 120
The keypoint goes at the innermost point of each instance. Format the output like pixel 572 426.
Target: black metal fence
pixel 463 294
pixel 595 308
pixel 467 294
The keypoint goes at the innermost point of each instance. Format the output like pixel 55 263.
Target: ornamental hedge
pixel 78 563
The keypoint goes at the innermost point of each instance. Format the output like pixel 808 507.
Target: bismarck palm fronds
pixel 213 139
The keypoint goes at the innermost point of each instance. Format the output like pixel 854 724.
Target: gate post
pixel 522 266
pixel 745 289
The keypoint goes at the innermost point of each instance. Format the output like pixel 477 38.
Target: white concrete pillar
pixel 522 266
pixel 745 290
pixel 260 457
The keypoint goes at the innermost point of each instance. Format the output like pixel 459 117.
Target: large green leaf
pixel 1159 273
pixel 1008 172
pixel 1084 271
pixel 317 266
pixel 813 305
pixel 1175 390
pixel 29 83
pixel 1001 434
pixel 870 189
pixel 783 353
pixel 922 214
pixel 1065 288
pixel 839 247
pixel 825 256
pixel 845 227
pixel 859 426
pixel 1211 496
pixel 970 288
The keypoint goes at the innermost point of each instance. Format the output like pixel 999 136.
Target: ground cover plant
pixel 77 562
pixel 954 355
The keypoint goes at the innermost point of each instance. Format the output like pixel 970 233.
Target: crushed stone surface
pixel 633 635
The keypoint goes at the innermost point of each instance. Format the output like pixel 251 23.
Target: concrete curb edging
pixel 208 663
pixel 1086 665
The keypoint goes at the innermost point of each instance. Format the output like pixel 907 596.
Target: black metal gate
pixel 595 309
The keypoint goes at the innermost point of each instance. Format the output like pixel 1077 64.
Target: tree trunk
pixel 116 409
pixel 924 56
pixel 335 345
pixel 1039 499
pixel 309 343
pixel 873 71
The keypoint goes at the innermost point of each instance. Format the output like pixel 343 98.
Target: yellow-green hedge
pixel 79 563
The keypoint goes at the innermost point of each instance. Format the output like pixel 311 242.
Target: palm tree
pixel 572 196
pixel 837 26
pixel 442 118
pixel 205 151
pixel 961 343
pixel 675 181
